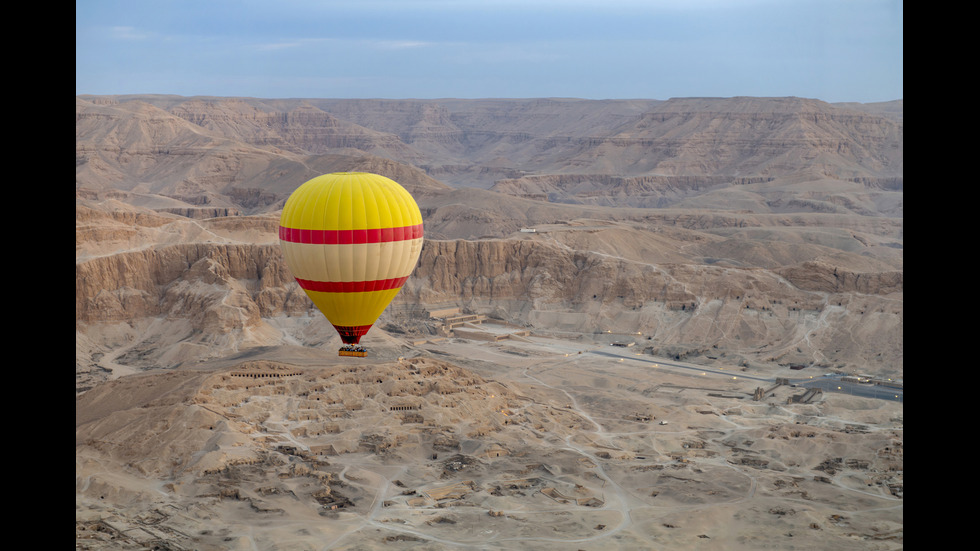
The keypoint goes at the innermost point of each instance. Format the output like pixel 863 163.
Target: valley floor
pixel 607 451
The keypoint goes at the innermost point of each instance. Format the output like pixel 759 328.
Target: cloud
pixel 277 46
pixel 129 33
pixel 399 44
pixel 313 45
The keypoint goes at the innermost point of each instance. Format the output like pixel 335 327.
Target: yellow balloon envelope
pixel 351 239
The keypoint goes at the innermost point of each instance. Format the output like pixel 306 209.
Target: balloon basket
pixel 355 353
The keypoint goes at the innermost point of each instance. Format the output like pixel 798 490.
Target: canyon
pixel 756 236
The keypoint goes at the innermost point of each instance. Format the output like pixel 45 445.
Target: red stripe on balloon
pixel 349 237
pixel 351 286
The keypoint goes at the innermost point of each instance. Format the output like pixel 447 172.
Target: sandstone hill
pixel 422 453
pixel 770 228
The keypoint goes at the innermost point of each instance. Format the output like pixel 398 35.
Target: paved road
pixel 697 368
pixel 833 383
pixel 827 383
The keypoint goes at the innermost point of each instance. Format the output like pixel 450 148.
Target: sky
pixel 832 50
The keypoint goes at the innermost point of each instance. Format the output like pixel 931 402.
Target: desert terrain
pixel 610 341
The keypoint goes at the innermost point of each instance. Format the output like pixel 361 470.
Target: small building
pixel 496 450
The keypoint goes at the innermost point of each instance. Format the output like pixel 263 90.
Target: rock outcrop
pixel 230 289
pixel 476 143
pixel 766 228
pixel 186 281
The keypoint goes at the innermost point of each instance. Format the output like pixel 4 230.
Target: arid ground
pixel 611 340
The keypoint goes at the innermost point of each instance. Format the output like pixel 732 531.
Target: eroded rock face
pixel 824 277
pixel 840 316
pixel 769 229
pixel 184 281
pixel 538 271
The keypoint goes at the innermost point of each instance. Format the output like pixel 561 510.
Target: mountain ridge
pixel 687 199
pixel 568 136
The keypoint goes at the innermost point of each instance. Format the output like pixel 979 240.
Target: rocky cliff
pixel 219 295
pixel 768 231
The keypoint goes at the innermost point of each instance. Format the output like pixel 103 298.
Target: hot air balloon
pixel 351 239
